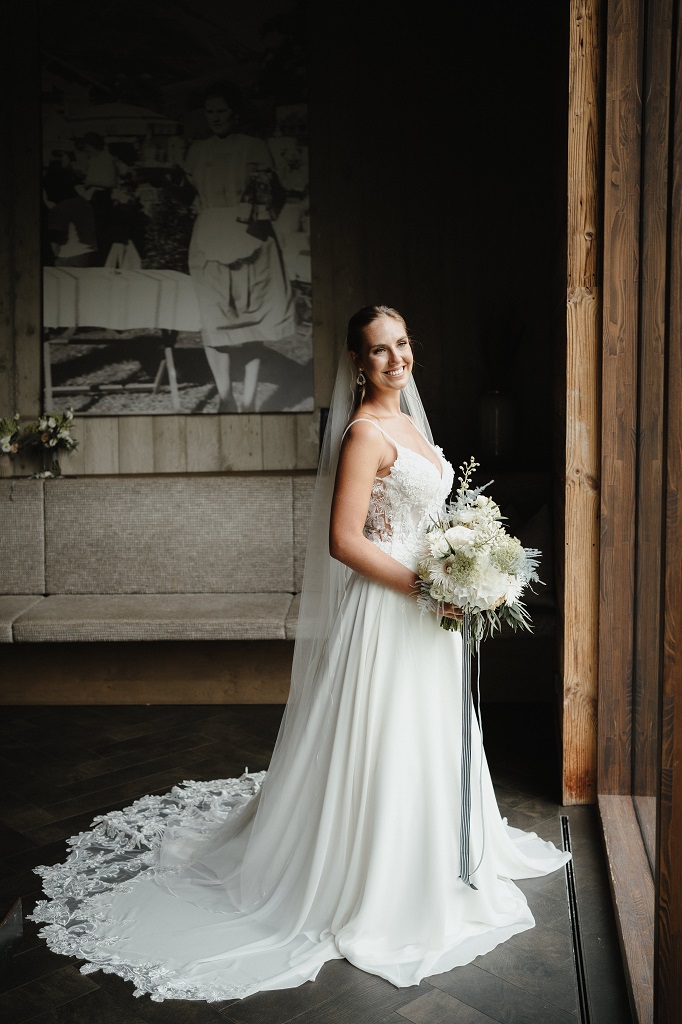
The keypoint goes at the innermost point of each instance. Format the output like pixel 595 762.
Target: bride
pixel 348 846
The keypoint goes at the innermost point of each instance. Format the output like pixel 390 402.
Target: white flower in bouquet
pixel 472 562
pixel 9 434
pixel 52 433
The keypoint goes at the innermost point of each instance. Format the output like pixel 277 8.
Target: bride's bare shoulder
pixel 364 424
pixel 364 435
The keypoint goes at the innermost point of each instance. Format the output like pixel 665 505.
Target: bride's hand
pixel 451 611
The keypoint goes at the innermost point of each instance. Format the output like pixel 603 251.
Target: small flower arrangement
pixel 9 435
pixel 51 434
pixel 472 562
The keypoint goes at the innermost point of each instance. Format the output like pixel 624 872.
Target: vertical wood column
pixel 622 170
pixel 668 960
pixel 583 353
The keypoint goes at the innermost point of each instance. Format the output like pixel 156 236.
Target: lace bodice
pixel 402 503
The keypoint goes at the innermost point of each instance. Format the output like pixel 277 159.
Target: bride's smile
pixel 386 357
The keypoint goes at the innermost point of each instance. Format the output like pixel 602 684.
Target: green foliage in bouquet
pixel 9 435
pixel 51 434
pixel 472 562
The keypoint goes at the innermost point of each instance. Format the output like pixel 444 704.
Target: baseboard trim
pixel 154 672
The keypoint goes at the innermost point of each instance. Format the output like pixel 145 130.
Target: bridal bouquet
pixel 471 561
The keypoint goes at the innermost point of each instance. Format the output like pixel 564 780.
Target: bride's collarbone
pixel 401 429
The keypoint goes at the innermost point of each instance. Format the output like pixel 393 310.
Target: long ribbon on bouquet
pixel 465 813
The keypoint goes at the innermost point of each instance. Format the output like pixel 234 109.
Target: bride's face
pixel 386 357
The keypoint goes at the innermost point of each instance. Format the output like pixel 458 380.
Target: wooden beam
pixel 151 672
pixel 668 981
pixel 25 111
pixel 622 171
pixel 648 655
pixel 581 540
pixel 633 903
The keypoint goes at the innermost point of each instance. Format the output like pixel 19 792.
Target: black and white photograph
pixel 175 215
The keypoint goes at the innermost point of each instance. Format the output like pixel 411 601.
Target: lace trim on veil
pixel 121 848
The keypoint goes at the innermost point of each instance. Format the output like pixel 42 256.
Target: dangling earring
pixel 360 379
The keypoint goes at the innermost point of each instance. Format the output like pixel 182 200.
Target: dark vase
pixel 51 461
pixel 496 428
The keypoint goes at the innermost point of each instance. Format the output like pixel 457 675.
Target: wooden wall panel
pixel 619 387
pixel 650 428
pixel 136 444
pixel 203 443
pixel 307 439
pixel 7 399
pixel 170 444
pixel 583 352
pixel 100 445
pixel 26 258
pixel 279 442
pixel 241 442
pixel 641 810
pixel 668 984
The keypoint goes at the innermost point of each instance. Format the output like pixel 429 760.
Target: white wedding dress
pixel 219 890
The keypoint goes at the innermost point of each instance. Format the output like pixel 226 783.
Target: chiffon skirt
pixel 347 847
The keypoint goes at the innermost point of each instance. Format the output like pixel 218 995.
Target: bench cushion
pixel 169 535
pixel 148 617
pixel 11 607
pixel 23 540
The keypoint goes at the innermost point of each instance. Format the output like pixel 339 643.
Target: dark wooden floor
pixel 62 766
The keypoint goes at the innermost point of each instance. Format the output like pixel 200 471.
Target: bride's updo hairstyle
pixel 355 335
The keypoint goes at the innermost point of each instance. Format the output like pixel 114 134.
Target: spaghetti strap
pixel 398 447
pixel 365 419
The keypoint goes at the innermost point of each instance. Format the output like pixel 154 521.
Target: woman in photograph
pixel 235 260
pixel 349 845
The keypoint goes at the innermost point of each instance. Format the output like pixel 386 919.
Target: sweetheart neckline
pixel 419 455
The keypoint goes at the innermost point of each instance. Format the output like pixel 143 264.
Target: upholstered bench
pixel 169 589
pixel 151 559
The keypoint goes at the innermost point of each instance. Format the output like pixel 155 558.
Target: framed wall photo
pixel 175 215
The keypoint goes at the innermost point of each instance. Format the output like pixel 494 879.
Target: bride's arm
pixel 363 453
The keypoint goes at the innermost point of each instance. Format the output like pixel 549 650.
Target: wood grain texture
pixel 307 440
pixel 100 445
pixel 650 429
pixel 634 903
pixel 24 102
pixel 197 672
pixel 135 444
pixel 241 442
pixel 279 442
pixel 581 500
pixel 7 394
pixel 622 169
pixel 668 988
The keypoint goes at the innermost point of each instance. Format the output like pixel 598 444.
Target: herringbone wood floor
pixel 61 766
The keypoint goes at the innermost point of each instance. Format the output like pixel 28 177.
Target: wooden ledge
pixel 147 672
pixel 634 899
